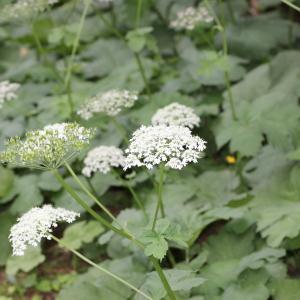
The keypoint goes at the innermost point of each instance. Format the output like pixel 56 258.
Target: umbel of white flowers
pixel 8 91
pixel 24 8
pixel 173 146
pixel 48 148
pixel 36 224
pixel 110 103
pixel 176 114
pixel 102 159
pixel 190 17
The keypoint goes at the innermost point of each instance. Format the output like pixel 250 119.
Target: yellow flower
pixel 230 159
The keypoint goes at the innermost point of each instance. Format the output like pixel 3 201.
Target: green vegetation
pixel 177 221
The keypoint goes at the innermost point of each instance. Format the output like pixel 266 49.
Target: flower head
pixel 174 146
pixel 48 148
pixel 102 159
pixel 176 114
pixel 36 224
pixel 25 8
pixel 110 103
pixel 8 91
pixel 190 17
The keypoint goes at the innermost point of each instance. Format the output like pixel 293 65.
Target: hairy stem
pixel 107 272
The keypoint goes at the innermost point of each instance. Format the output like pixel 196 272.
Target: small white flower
pixel 102 159
pixel 25 8
pixel 48 148
pixel 36 224
pixel 8 91
pixel 190 17
pixel 176 114
pixel 174 146
pixel 110 103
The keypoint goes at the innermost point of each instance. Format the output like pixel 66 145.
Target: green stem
pixel 121 130
pixel 143 73
pixel 133 193
pixel 222 31
pixel 84 205
pixel 163 278
pixel 122 233
pixel 159 204
pixel 86 190
pixel 73 53
pixel 231 11
pixel 291 5
pixel 138 13
pixel 116 277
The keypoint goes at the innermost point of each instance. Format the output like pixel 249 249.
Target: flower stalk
pixel 107 272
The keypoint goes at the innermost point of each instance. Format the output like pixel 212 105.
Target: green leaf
pixel 276 209
pixel 7 180
pixel 31 259
pixel 288 289
pixel 28 192
pixel 137 38
pixel 96 285
pixel 181 281
pixel 48 182
pixel 156 245
pixel 208 67
pixel 248 292
pixel 82 232
pixel 6 221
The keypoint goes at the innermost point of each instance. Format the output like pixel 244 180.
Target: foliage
pixel 231 225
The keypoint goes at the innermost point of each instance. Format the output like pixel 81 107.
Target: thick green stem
pixel 73 53
pixel 163 278
pixel 159 204
pixel 86 207
pixel 107 272
pixel 86 190
pixel 121 232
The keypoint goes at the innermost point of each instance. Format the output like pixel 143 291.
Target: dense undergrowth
pixel 231 228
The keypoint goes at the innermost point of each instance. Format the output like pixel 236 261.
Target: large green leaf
pixel 31 259
pixel 82 232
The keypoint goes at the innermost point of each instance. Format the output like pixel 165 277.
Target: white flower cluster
pixel 25 8
pixel 176 114
pixel 102 159
pixel 8 91
pixel 48 148
pixel 190 17
pixel 36 224
pixel 175 146
pixel 110 103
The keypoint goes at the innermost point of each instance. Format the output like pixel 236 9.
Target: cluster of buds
pixel 190 17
